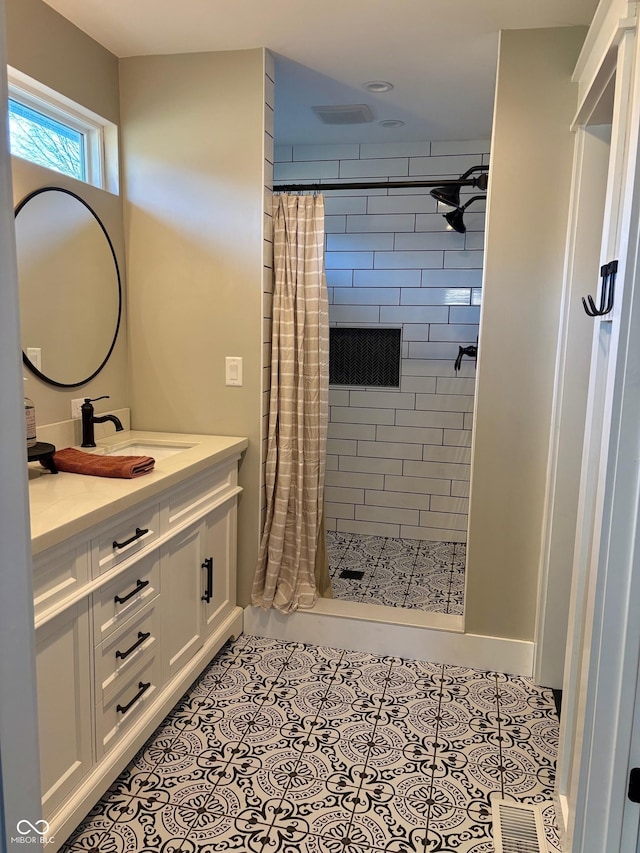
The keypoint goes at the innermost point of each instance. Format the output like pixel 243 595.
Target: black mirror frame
pixel 25 360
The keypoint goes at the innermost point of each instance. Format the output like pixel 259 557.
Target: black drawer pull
pixel 142 688
pixel 140 585
pixel 141 638
pixel 140 532
pixel 208 593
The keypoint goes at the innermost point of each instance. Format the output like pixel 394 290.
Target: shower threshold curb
pixel 436 637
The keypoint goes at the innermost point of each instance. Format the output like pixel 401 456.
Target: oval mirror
pixel 70 290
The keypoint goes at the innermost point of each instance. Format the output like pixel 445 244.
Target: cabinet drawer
pixel 123 706
pixel 125 596
pixel 122 652
pixel 193 500
pixel 129 533
pixel 58 573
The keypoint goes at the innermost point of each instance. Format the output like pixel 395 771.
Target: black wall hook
pixel 608 275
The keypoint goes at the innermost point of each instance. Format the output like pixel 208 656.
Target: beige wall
pixel 48 48
pixel 532 152
pixel 193 169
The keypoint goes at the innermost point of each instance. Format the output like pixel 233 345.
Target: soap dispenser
pixel 30 417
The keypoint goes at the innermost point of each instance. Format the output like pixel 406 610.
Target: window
pixel 365 357
pixel 43 140
pixel 52 131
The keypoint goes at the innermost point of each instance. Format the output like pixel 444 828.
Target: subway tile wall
pixel 398 459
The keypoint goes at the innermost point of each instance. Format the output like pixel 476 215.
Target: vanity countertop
pixel 63 505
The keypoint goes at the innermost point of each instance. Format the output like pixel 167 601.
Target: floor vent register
pixel 517 828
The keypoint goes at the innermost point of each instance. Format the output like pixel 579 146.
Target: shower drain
pixel 351 574
pixel 517 828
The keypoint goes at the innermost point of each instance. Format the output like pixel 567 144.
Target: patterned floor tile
pixel 463 781
pixel 157 790
pixel 362 833
pixel 143 829
pixel 226 833
pixel 89 834
pixel 395 565
pixel 284 747
pixel 528 787
pixel 536 743
pixel 332 844
pixel 456 830
pixel 405 573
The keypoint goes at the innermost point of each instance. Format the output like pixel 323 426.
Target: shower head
pixel 455 218
pixel 447 195
pixel 449 192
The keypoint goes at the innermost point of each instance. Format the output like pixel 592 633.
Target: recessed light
pixel 391 122
pixel 378 86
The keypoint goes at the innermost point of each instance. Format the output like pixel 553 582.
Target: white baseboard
pixel 389 631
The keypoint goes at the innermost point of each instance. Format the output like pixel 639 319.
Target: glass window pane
pixel 43 140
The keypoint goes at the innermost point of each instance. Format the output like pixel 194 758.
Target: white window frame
pixel 97 131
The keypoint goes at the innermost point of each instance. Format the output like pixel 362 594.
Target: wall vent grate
pixel 517 828
pixel 364 357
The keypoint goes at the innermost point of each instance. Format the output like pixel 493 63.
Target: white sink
pixel 157 449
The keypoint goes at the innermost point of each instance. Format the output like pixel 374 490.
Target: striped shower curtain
pixel 290 557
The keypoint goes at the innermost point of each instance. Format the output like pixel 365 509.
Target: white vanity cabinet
pixel 182 594
pixel 63 666
pixel 128 612
pixel 220 567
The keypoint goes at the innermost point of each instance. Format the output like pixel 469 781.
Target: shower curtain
pixel 298 412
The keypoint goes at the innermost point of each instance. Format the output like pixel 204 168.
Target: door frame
pixel 586 212
pixel 606 704
pixel 603 652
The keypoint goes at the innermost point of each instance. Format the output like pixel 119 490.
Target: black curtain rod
pixel 374 185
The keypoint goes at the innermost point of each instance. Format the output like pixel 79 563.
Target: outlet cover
pixel 75 407
pixel 34 354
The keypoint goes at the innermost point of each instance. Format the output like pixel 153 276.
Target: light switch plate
pixel 75 407
pixel 233 370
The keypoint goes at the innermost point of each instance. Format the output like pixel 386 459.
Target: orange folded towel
pixel 77 462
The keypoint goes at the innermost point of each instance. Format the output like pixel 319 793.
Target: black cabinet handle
pixel 142 688
pixel 140 585
pixel 141 638
pixel 140 532
pixel 208 565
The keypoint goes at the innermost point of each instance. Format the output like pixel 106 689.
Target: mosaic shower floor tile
pixel 406 573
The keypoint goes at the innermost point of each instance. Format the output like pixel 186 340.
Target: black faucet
pixel 89 419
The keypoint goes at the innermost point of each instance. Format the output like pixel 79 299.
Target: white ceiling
pixel 439 54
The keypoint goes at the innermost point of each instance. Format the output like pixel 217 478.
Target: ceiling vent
pixel 344 114
pixel 517 828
